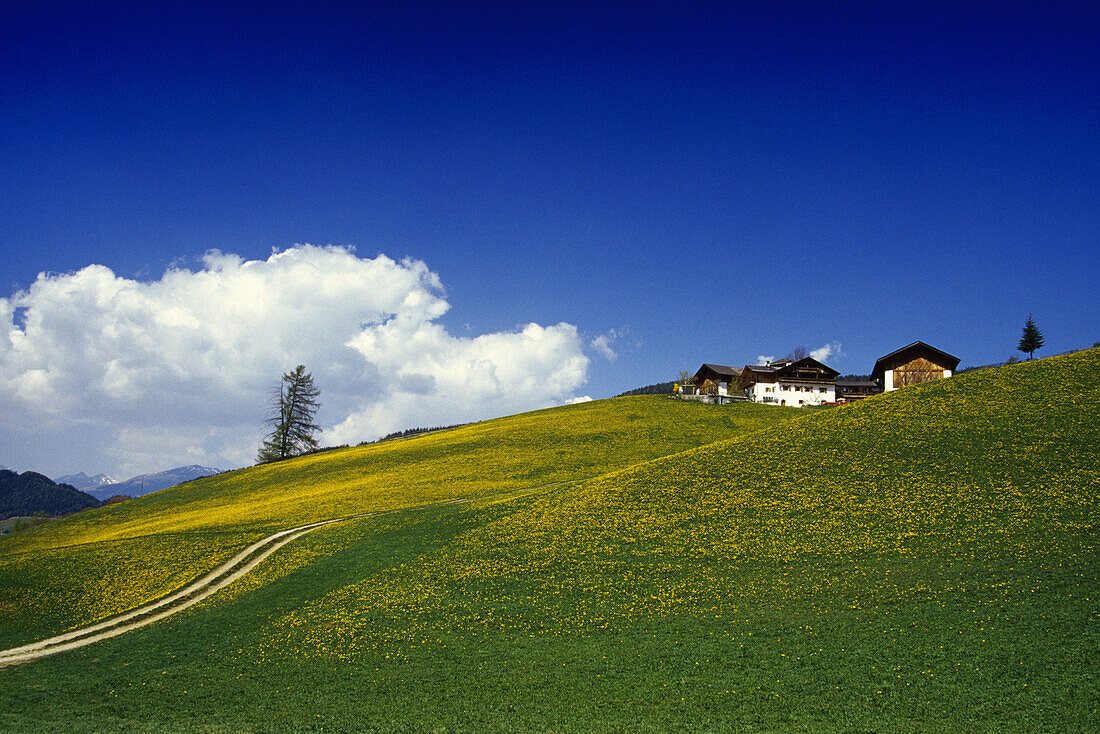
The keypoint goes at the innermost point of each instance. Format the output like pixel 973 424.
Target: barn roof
pixel 912 351
pixel 720 370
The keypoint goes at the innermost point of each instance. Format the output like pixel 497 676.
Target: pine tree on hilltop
pixel 293 405
pixel 1031 339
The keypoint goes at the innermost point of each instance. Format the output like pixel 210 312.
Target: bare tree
pixel 799 352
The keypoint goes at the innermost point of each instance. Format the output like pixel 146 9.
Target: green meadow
pixel 925 560
pixel 99 563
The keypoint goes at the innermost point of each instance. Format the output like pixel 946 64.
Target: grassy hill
pixel 925 560
pixel 102 562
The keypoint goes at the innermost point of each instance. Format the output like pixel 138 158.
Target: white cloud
pixel 177 370
pixel 602 345
pixel 764 359
pixel 829 350
pixel 431 377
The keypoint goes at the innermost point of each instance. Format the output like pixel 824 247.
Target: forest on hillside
pixel 29 493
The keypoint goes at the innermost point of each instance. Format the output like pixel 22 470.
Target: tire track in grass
pixel 196 591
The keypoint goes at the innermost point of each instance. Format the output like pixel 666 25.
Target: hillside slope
pixel 925 560
pixel 998 465
pixel 100 563
pixel 925 556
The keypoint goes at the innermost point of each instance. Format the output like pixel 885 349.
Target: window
pixel 821 389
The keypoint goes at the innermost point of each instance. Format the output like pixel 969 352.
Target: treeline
pixel 658 388
pixel 408 432
pixel 30 493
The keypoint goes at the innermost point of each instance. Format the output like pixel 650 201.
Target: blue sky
pixel 678 182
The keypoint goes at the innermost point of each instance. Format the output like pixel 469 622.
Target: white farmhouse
pixel 785 382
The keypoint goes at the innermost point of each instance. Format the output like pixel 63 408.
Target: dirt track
pixel 193 593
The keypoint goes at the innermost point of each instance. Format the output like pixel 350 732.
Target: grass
pixel 102 562
pixel 923 561
pixel 22 522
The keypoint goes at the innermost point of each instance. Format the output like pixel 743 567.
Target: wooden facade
pixel 912 365
pixel 715 379
pixel 714 383
pixel 917 371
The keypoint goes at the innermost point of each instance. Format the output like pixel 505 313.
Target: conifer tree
pixel 1031 339
pixel 293 406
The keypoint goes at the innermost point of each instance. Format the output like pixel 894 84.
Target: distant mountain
pixel 83 482
pixel 28 493
pixel 146 483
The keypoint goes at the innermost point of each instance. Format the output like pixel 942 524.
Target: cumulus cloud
pixel 177 370
pixel 765 359
pixel 431 376
pixel 829 350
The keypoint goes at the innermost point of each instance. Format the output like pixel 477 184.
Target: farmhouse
pixel 912 365
pixel 809 382
pixel 786 382
pixel 715 382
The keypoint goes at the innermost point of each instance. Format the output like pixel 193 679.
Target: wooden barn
pixel 912 365
pixel 716 380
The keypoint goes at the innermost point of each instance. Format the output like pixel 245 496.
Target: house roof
pixel 754 373
pixel 849 382
pixel 912 351
pixel 718 370
pixel 793 367
pixel 785 369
